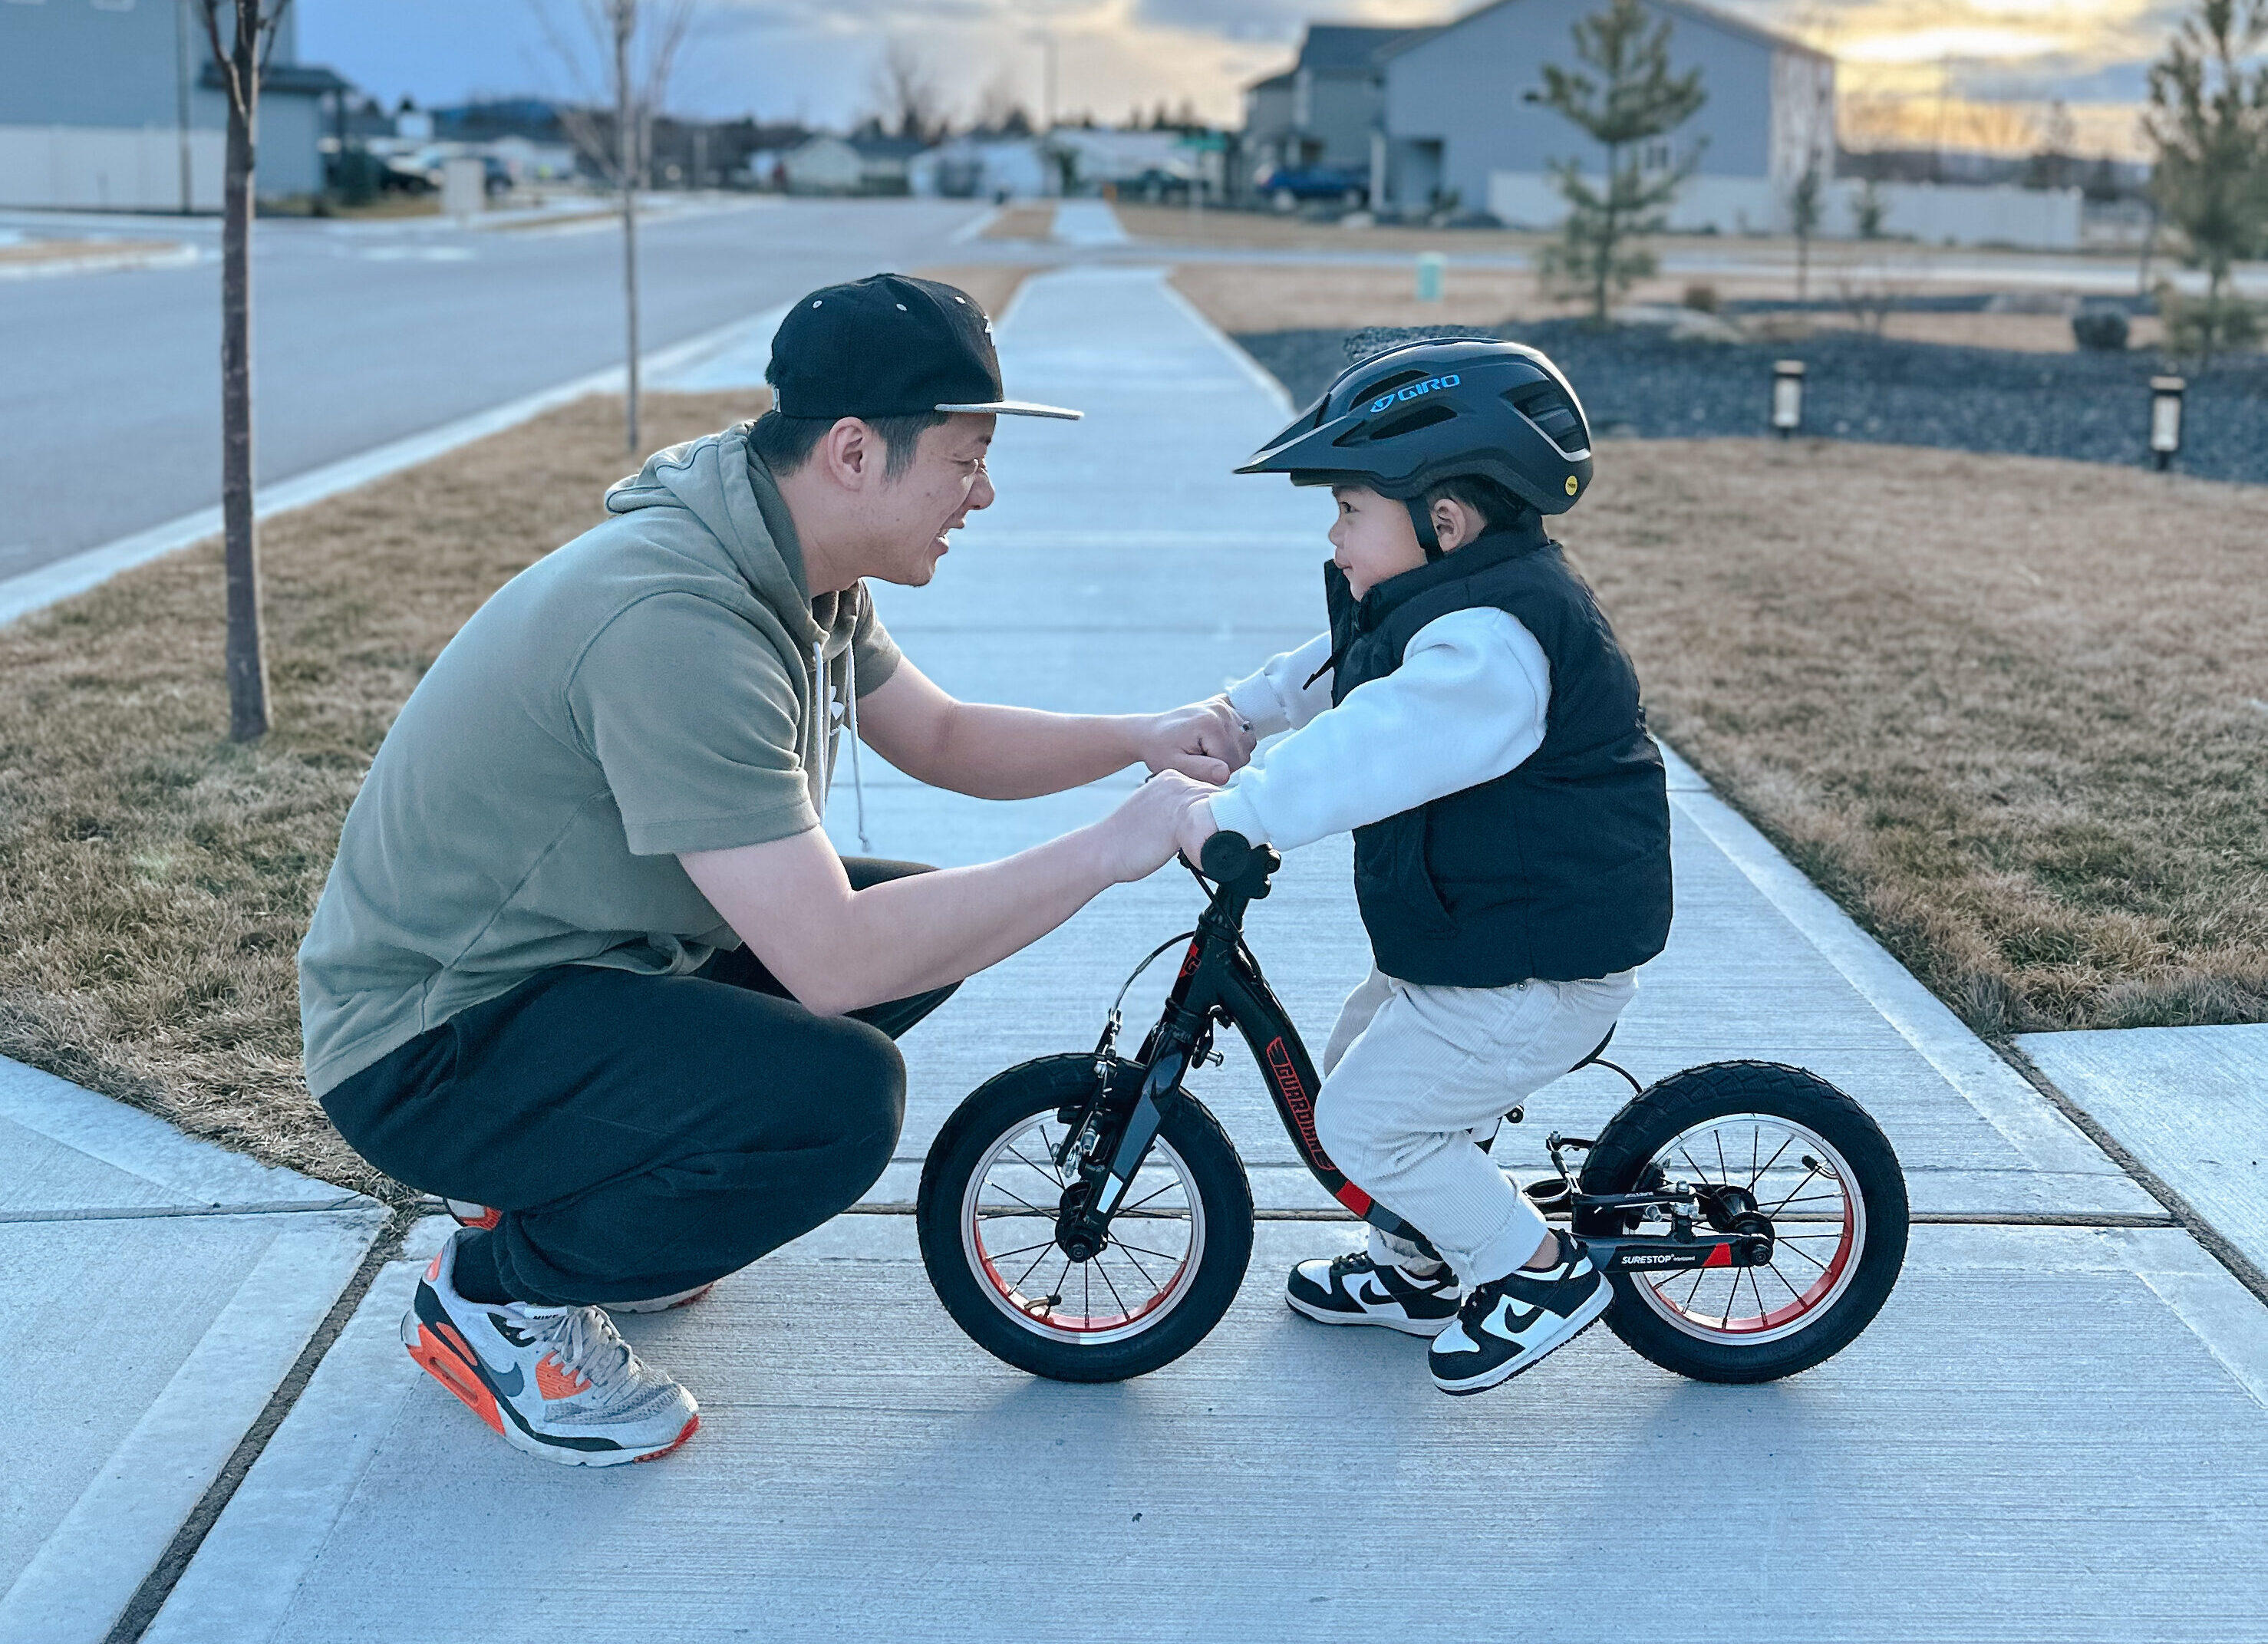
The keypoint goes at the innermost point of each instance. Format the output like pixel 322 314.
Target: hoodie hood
pixel 724 486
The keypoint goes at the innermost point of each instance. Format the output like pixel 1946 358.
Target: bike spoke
pixel 1758 1176
pixel 999 1256
pixel 1038 1170
pixel 1120 1246
pixel 1124 1311
pixel 1145 1249
pixel 1798 1188
pixel 1809 1257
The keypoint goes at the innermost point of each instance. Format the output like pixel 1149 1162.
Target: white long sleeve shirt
pixel 1468 704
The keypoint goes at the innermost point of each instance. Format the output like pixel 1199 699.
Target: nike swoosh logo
pixel 508 1385
pixel 1519 1321
pixel 1371 1296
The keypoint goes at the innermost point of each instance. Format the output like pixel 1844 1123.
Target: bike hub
pixel 1075 1236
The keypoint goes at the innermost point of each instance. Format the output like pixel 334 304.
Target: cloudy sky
pixel 1910 66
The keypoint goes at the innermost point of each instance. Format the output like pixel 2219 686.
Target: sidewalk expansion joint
pixel 142 1213
pixel 2180 1211
pixel 150 1597
pixel 1919 1218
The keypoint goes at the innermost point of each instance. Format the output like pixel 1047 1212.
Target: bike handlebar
pixel 1231 859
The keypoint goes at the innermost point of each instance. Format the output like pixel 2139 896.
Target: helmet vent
pixel 1387 384
pixel 1393 427
pixel 1548 409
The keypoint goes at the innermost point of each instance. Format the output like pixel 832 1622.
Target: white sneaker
pixel 557 1382
pixel 1353 1289
pixel 1505 1327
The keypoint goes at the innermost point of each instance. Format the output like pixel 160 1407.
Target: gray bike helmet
pixel 1404 420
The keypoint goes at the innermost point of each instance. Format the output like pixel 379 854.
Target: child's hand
pixel 1209 740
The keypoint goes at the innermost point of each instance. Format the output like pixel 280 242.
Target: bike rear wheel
pixel 1812 1163
pixel 990 1192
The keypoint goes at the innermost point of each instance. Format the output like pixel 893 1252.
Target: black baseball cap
pixel 889 345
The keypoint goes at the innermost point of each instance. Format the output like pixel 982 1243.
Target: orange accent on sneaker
pixel 433 1270
pixel 554 1380
pixel 439 1361
pixel 691 1428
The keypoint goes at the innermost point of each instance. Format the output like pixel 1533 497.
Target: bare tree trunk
pixel 247 660
pixel 626 147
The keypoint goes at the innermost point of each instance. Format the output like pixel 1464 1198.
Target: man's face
pixel 1373 538
pixel 944 484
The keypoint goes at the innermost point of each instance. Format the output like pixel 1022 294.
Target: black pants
pixel 641 1134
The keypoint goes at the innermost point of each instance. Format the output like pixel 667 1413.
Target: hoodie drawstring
pixel 850 723
pixel 823 724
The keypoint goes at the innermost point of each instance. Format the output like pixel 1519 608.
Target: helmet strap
pixel 1421 519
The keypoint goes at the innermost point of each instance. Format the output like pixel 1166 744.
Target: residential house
pixel 1322 111
pixel 1460 122
pixel 117 104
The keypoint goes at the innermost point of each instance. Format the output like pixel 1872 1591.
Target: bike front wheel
pixel 991 1195
pixel 1798 1153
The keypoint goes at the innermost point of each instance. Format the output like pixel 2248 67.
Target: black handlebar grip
pixel 1227 858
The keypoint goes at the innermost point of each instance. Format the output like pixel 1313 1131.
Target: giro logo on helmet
pixel 1571 485
pixel 1412 392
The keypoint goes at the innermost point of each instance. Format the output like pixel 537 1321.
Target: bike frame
pixel 1220 982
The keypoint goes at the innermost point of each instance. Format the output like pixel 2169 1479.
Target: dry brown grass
pixel 155 878
pixel 2012 712
pixel 1279 297
pixel 31 251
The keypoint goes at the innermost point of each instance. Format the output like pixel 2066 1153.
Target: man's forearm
pixel 995 752
pixel 837 949
pixel 907 935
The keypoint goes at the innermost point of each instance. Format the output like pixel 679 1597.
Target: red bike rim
pixel 1819 1230
pixel 1007 1230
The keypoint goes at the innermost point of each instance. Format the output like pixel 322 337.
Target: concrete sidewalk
pixel 157 1291
pixel 2057 1429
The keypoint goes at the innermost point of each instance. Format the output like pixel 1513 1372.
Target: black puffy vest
pixel 1558 869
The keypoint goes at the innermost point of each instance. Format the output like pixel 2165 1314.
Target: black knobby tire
pixel 1214 1237
pixel 1867 1230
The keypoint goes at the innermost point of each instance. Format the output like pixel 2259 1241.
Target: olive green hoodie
pixel 665 683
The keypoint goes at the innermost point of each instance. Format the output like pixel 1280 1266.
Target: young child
pixel 1472 718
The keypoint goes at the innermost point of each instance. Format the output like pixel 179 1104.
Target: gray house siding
pixel 1454 110
pixel 78 78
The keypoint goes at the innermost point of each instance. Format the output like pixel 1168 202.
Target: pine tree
pixel 1632 101
pixel 2208 120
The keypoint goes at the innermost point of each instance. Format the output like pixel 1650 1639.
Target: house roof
pixel 1275 81
pixel 287 79
pixel 880 148
pixel 1690 10
pixel 1342 47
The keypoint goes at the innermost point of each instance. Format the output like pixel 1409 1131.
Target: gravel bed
pixel 2090 408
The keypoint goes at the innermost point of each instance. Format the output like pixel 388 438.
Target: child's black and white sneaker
pixel 1353 1289
pixel 1508 1325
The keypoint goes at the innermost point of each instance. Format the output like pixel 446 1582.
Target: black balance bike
pixel 1084 1218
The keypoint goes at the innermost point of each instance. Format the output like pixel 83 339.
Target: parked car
pixel 1288 185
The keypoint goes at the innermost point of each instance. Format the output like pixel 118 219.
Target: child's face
pixel 1373 537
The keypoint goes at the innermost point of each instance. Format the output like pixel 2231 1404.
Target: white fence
pixel 108 168
pixel 2040 219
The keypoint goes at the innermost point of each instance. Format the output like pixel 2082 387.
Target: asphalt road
pixel 363 334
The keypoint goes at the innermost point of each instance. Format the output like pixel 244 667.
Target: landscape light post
pixel 2166 419
pixel 1787 397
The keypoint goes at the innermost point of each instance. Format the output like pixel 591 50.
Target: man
pixel 586 956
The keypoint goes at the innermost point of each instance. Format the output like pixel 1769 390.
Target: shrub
pixel 2103 329
pixel 1701 297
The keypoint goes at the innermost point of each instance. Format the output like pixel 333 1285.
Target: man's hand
pixel 1209 740
pixel 1144 832
pixel 1196 827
